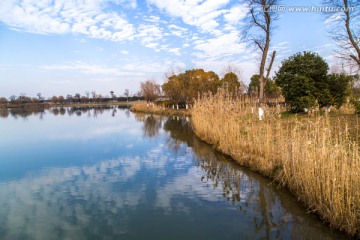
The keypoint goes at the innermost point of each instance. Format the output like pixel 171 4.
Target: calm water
pixel 109 174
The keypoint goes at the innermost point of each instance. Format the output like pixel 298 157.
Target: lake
pixel 106 173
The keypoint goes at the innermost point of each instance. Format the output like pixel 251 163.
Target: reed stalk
pixel 316 157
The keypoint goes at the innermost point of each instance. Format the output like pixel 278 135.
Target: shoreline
pixel 50 105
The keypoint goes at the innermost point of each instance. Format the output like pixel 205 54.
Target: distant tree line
pixel 89 97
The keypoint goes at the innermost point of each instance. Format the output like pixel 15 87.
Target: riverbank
pixel 143 107
pixel 317 158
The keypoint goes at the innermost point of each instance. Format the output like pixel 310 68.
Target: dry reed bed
pixel 316 158
pixel 144 107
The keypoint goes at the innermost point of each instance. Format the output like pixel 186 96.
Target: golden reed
pixel 143 107
pixel 317 158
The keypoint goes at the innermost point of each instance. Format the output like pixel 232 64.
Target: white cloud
pixel 153 19
pixel 149 35
pixel 175 51
pixel 235 14
pixel 333 19
pixel 151 45
pixel 151 66
pixel 219 47
pixel 83 68
pixel 202 14
pixel 61 17
pixel 127 3
pixel 139 68
pixel 177 31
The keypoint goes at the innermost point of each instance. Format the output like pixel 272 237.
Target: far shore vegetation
pixel 93 99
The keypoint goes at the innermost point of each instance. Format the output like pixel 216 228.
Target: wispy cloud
pixel 150 66
pixel 83 68
pixel 135 67
pixel 202 14
pixel 149 35
pixel 177 31
pixel 235 14
pixel 60 17
pixel 219 47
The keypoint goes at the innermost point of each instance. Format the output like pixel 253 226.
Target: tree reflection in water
pixel 151 123
pixel 94 111
pixel 274 208
pixel 23 113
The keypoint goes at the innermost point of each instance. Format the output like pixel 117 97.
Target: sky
pixel 60 47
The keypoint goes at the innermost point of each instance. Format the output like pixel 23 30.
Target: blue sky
pixel 60 47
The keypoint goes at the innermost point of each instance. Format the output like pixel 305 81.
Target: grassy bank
pixel 317 158
pixel 143 107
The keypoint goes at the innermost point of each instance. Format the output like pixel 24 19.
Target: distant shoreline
pixel 50 105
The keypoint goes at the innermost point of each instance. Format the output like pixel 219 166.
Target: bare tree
pixel 150 90
pixel 259 25
pixel 94 95
pixel 344 19
pixel 113 96
pixel 12 98
pixel 41 98
pixel 87 93
pixel 231 68
pixel 127 93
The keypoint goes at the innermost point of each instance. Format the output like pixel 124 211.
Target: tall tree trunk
pixel 264 54
pixel 351 37
pixel 261 21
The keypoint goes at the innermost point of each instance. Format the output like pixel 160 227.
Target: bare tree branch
pixel 258 28
pixel 270 65
pixel 345 27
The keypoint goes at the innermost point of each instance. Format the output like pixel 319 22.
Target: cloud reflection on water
pixel 71 199
pixel 58 198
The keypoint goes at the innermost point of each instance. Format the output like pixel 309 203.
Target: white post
pixel 261 113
